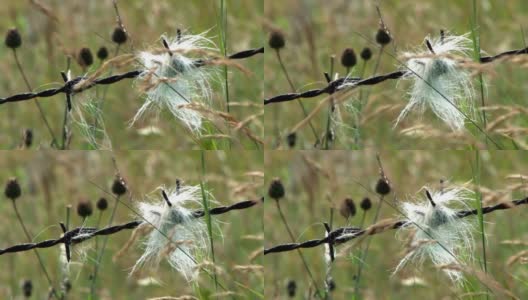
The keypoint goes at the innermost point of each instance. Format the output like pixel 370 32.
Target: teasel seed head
pixel 383 37
pixel 12 189
pixel 27 288
pixel 13 39
pixel 28 137
pixel 119 36
pixel 348 208
pixel 366 204
pixel 102 204
pixel 383 187
pixel 276 40
pixel 276 189
pixel 119 187
pixel 292 288
pixel 348 58
pixel 366 54
pixel 85 58
pixel 84 208
pixel 291 139
pixel 102 53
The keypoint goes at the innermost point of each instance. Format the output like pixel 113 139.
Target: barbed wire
pixel 69 87
pixel 345 234
pixel 335 85
pixel 81 234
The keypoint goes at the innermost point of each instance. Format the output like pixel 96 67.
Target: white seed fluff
pixel 438 234
pixel 183 82
pixel 187 234
pixel 440 82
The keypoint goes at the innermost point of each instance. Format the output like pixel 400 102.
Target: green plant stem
pixel 28 236
pixel 205 203
pixel 100 256
pixel 331 107
pixel 41 111
pixel 298 101
pixel 290 233
pixel 363 256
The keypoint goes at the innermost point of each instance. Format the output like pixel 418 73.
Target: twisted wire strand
pixel 81 234
pixel 345 234
pixel 68 87
pixel 333 86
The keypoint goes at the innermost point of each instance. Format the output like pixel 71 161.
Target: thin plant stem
pixel 41 111
pixel 290 233
pixel 480 215
pixel 100 256
pixel 205 203
pixel 475 34
pixel 26 232
pixel 331 106
pixel 285 71
pixel 363 256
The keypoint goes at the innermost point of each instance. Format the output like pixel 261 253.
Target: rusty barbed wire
pixel 345 234
pixel 69 87
pixel 333 86
pixel 81 234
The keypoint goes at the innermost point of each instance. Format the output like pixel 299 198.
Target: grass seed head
pixel 276 40
pixel 348 208
pixel 119 36
pixel 102 53
pixel 102 204
pixel 85 57
pixel 366 204
pixel 348 58
pixel 13 39
pixel 27 288
pixel 276 189
pixel 383 187
pixel 84 208
pixel 12 189
pixel 119 187
pixel 366 54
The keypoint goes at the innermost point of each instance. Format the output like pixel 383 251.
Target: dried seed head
pixel 119 36
pixel 366 53
pixel 366 204
pixel 276 189
pixel 102 204
pixel 13 39
pixel 12 189
pixel 102 53
pixel 84 208
pixel 291 139
pixel 119 186
pixel 383 187
pixel 28 137
pixel 348 208
pixel 383 37
pixel 348 58
pixel 67 285
pixel 27 288
pixel 85 58
pixel 291 287
pixel 331 284
pixel 276 40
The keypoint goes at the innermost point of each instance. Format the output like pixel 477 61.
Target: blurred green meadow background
pixel 316 183
pixel 315 31
pixel 53 30
pixel 51 180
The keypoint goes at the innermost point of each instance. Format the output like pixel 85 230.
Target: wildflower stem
pixel 292 237
pixel 100 256
pixel 331 106
pixel 205 203
pixel 42 115
pixel 480 215
pixel 285 71
pixel 28 236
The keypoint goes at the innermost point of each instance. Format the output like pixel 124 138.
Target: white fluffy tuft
pixel 183 82
pixel 188 235
pixel 437 75
pixel 438 234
